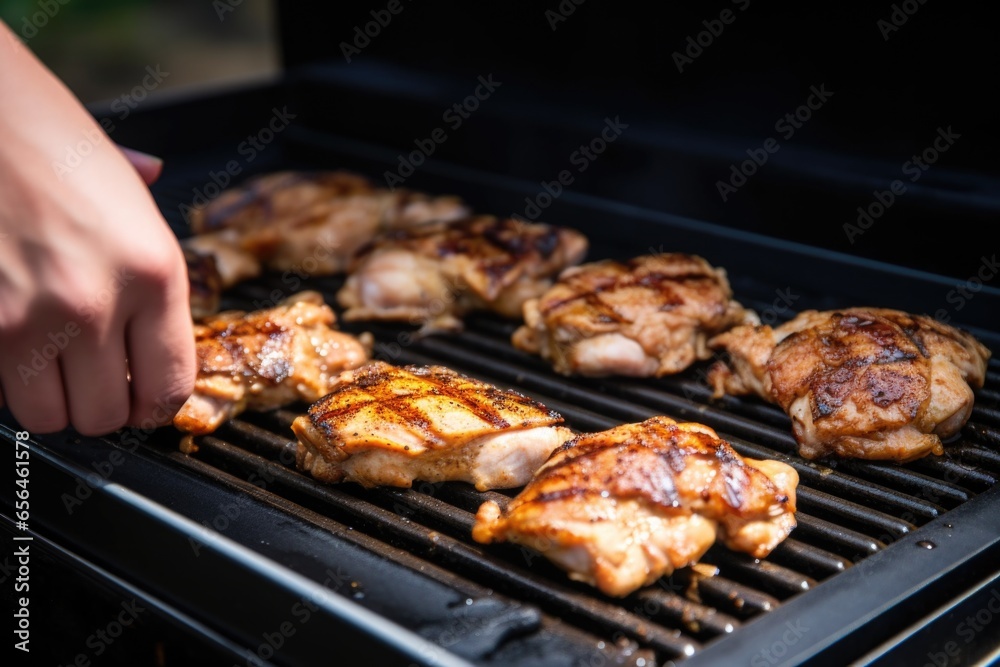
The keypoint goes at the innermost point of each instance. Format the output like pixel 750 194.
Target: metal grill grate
pixel 848 510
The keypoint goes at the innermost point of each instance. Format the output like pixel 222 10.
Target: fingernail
pixel 138 157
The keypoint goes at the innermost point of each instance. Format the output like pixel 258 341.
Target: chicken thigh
pixel 433 274
pixel 621 508
pixel 650 316
pixel 266 359
pixel 868 383
pixel 388 425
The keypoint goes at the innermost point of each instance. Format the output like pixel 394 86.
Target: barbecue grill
pixel 234 557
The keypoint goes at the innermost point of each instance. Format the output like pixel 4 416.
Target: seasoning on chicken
pixel 621 508
pixel 435 273
pixel 205 283
pixel 265 359
pixel 650 316
pixel 388 425
pixel 311 223
pixel 869 383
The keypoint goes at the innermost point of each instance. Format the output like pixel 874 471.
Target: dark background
pixel 939 68
pixel 890 97
pixel 686 129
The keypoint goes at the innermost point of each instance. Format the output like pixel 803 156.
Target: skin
pixel 86 263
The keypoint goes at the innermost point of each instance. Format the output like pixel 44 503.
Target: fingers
pixel 96 382
pixel 161 356
pixel 32 385
pixel 148 166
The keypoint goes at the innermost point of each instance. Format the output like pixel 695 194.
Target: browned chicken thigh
pixel 621 508
pixel 387 425
pixel 265 359
pixel 433 274
pixel 650 316
pixel 310 223
pixel 868 383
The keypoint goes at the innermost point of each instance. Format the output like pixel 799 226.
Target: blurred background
pixel 101 48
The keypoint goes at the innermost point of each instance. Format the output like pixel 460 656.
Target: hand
pixel 95 326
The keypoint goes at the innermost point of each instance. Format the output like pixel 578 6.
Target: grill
pixel 239 557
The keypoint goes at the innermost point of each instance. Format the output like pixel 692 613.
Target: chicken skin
pixel 869 383
pixel 435 273
pixel 650 316
pixel 310 223
pixel 621 508
pixel 266 359
pixel 388 425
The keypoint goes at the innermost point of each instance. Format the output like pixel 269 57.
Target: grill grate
pixel 838 523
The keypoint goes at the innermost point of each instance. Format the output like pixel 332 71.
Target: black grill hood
pixel 898 72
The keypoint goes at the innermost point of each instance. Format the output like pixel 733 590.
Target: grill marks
pixel 385 425
pixel 664 287
pixel 853 344
pixel 437 272
pixel 649 316
pixel 644 460
pixel 263 197
pixel 620 508
pixel 393 393
pixel 807 551
pixel 867 383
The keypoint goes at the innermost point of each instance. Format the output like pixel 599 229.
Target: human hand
pixel 95 327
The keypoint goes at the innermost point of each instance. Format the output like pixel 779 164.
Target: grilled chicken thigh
pixel 386 425
pixel 867 383
pixel 260 201
pixel 650 316
pixel 434 273
pixel 266 359
pixel 310 223
pixel 621 508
